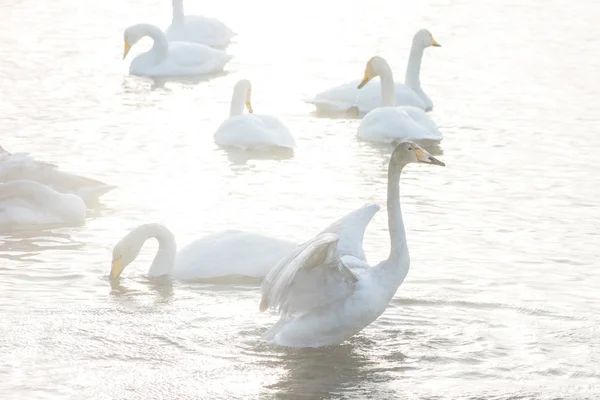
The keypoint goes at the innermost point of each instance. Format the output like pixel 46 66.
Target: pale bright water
pixel 502 298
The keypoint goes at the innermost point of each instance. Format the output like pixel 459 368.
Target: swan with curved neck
pixel 325 290
pixel 198 29
pixel 222 254
pixel 251 131
pixel 345 97
pixel 28 203
pixel 171 59
pixel 389 123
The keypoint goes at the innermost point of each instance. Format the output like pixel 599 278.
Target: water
pixel 501 300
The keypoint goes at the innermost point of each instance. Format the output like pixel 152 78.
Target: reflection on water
pixel 501 299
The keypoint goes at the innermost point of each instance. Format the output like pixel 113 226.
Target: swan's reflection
pixel 161 286
pixel 22 245
pixel 238 157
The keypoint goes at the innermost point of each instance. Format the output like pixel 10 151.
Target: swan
pixel 324 289
pixel 346 97
pixel 198 29
pixel 251 131
pixel 227 253
pixel 27 203
pixel 389 123
pixel 21 166
pixel 171 59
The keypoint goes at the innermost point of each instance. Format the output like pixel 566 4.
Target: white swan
pixel 21 166
pixel 227 253
pixel 345 97
pixel 171 58
pixel 389 123
pixel 27 203
pixel 251 131
pixel 198 29
pixel 324 289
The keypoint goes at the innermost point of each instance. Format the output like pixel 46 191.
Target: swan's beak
pixel 425 157
pixel 126 49
pixel 365 80
pixel 249 106
pixel 116 268
pixel 434 43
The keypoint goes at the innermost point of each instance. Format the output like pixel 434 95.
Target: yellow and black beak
pixel 126 49
pixel 116 268
pixel 249 106
pixel 425 157
pixel 434 43
pixel 365 80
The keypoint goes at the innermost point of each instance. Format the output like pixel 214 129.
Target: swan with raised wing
pixel 324 290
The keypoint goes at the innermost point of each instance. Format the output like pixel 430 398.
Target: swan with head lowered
pixel 170 59
pixel 390 123
pixel 198 29
pixel 324 290
pixel 251 131
pixel 228 253
pixel 26 204
pixel 341 99
pixel 23 167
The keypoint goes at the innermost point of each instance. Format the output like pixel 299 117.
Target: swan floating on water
pixel 21 166
pixel 341 99
pixel 197 29
pixel 251 131
pixel 324 290
pixel 29 204
pixel 389 123
pixel 228 253
pixel 170 59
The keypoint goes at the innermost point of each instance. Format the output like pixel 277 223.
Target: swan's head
pixel 374 66
pixel 243 90
pixel 424 38
pixel 125 252
pixel 409 152
pixel 132 35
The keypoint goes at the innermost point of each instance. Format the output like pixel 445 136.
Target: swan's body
pixel 251 131
pixel 324 289
pixel 345 97
pixel 21 166
pixel 197 29
pixel 228 253
pixel 390 123
pixel 166 59
pixel 28 204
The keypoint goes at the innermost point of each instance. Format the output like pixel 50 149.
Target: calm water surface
pixel 502 298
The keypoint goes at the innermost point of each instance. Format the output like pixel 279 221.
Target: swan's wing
pixel 196 55
pixel 351 230
pixel 424 121
pixel 312 277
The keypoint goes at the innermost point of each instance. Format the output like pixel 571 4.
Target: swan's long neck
pixel 238 101
pixel 178 16
pixel 160 48
pixel 413 69
pixel 395 222
pixel 167 249
pixel 388 89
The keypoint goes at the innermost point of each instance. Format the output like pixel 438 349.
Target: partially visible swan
pixel 171 58
pixel 21 166
pixel 251 131
pixel 198 29
pixel 345 97
pixel 228 253
pixel 27 203
pixel 324 289
pixel 389 123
